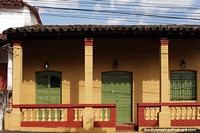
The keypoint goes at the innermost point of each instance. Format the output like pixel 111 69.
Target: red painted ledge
pixel 62 105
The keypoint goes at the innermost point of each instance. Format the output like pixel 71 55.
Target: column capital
pixel 17 43
pixel 164 41
pixel 88 41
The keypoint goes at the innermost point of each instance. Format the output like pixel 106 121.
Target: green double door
pixel 48 88
pixel 117 89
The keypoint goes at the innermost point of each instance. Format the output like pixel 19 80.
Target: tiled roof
pixel 20 3
pixel 107 30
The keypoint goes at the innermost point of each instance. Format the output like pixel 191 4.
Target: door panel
pixel 116 88
pixel 48 90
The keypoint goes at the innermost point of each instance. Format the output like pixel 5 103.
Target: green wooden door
pixel 116 88
pixel 48 88
pixel 48 91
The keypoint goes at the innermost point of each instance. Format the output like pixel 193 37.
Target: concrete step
pixel 126 128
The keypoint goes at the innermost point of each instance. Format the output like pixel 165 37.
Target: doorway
pixel 117 89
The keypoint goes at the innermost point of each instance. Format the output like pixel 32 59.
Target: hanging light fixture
pixel 115 64
pixel 183 64
pixel 46 65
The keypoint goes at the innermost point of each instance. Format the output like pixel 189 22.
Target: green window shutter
pixel 183 85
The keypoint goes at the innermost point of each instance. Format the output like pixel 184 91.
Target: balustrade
pixel 43 114
pixel 100 114
pixel 185 113
pixel 66 114
pixel 151 113
pixel 179 113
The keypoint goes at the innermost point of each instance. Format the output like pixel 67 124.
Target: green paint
pixel 48 90
pixel 116 88
pixel 183 85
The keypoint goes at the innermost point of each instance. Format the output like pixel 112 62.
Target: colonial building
pixel 102 78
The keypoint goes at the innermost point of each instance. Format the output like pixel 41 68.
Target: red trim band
pixel 17 43
pixel 164 41
pixel 88 41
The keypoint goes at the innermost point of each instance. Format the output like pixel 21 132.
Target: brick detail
pixel 88 41
pixel 164 41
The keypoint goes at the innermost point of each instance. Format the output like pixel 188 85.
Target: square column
pixel 88 70
pixel 17 71
pixel 164 115
pixel 164 71
pixel 13 119
pixel 88 115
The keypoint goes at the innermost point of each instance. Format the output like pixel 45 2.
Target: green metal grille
pixel 183 85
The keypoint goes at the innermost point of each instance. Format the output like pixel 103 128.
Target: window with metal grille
pixel 183 85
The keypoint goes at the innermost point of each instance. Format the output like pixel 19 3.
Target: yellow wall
pixel 139 56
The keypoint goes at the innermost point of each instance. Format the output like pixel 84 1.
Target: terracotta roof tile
pixel 64 28
pixel 109 30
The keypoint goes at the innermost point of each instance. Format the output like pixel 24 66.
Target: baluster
pixel 75 114
pixel 95 115
pixel 188 113
pixel 147 113
pixel 193 113
pixel 106 114
pixel 49 115
pixel 177 114
pixel 100 115
pixel 25 114
pixel 156 113
pixel 198 114
pixel 43 114
pixel 31 114
pixel 37 115
pixel 152 114
pixel 62 115
pixel 172 113
pixel 182 113
pixel 56 114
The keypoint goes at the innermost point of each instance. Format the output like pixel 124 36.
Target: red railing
pixel 182 113
pixel 70 115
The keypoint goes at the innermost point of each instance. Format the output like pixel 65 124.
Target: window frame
pixel 196 85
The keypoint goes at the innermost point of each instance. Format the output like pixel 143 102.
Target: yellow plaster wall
pixel 141 57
